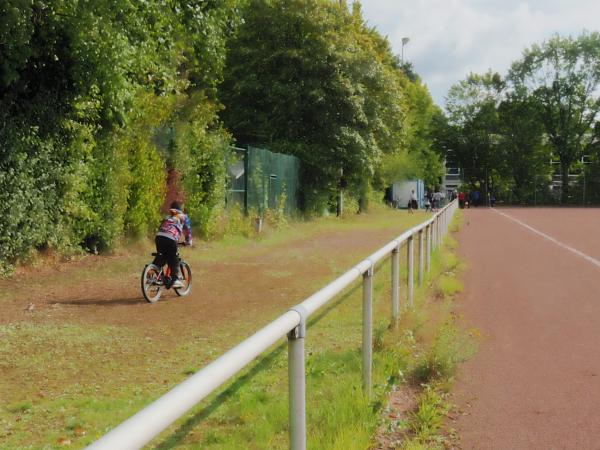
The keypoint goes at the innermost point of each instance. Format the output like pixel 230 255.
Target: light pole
pixel 404 42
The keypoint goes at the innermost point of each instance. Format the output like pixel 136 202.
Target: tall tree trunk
pixel 363 199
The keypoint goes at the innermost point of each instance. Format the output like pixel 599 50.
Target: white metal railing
pixel 141 428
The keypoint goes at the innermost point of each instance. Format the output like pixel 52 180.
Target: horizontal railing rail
pixel 148 423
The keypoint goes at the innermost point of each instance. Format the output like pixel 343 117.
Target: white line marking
pixel 588 258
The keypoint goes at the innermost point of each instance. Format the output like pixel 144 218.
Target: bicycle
pixel 153 279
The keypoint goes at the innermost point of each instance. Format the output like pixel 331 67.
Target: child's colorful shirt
pixel 175 226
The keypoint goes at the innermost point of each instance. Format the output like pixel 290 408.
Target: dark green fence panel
pixel 236 176
pixel 260 179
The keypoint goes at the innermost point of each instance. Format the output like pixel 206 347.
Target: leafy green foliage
pixel 202 162
pixel 28 182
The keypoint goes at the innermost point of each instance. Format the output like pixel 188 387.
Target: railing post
pixel 443 225
pixel 395 284
pixel 411 269
pixel 445 222
pixel 421 234
pixel 441 229
pixel 297 382
pixel 429 233
pixel 367 343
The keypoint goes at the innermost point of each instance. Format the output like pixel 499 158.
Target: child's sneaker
pixel 176 283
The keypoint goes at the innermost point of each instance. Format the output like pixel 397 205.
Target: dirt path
pixel 259 281
pixel 535 382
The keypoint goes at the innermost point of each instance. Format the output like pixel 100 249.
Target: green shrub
pixel 200 155
pixel 146 169
pixel 33 179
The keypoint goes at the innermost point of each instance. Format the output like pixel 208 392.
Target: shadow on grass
pixel 101 302
pixel 179 435
pixel 166 296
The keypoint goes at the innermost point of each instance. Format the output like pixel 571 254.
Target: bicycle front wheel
pixel 185 273
pixel 151 283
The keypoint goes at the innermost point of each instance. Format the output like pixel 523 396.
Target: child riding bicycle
pixel 172 229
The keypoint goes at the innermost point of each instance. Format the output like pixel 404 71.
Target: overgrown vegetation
pixel 431 344
pixel 91 95
pixel 98 101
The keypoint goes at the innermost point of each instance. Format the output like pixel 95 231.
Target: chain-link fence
pixel 260 179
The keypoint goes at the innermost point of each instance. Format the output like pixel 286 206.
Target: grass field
pixel 72 369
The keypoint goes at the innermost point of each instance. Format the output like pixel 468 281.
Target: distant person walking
pixel 437 200
pixel 427 201
pixel 461 199
pixel 412 203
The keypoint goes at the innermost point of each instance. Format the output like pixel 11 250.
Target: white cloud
pixel 449 39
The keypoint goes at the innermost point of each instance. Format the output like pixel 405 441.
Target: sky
pixel 450 38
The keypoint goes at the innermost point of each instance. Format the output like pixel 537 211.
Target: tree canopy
pixel 529 131
pixel 562 78
pixel 310 78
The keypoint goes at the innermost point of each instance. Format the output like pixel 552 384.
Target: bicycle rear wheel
pixel 186 278
pixel 152 283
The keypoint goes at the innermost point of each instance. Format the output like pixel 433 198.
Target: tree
pixel 310 78
pixel 562 76
pixel 522 141
pixel 473 132
pixel 416 157
pixel 287 87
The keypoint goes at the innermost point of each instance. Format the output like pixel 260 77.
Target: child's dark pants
pixel 168 252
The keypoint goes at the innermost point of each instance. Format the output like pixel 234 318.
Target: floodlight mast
pixel 405 41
